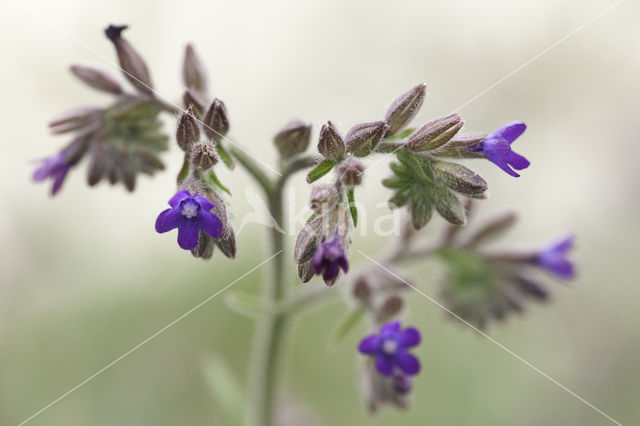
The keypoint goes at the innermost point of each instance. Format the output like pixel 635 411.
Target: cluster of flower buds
pixel 121 140
pixel 481 285
pixel 199 209
pixel 322 243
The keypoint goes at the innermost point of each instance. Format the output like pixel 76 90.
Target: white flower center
pixel 189 210
pixel 389 347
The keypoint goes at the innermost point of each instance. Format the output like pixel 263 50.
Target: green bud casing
pixel 404 108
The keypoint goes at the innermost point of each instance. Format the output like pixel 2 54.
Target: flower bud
pixel 491 229
pixel 364 137
pixel 403 109
pixel 308 240
pixel 350 172
pixel 195 100
pixel 435 134
pixel 97 79
pixel 293 138
pixel 227 242
pixel 75 119
pixel 532 288
pixel 323 199
pixel 362 290
pixel 216 122
pixel 131 63
pixel 194 75
pixel 330 144
pixel 390 307
pixel 188 131
pixel 204 249
pixel 305 273
pixel 459 178
pixel 204 156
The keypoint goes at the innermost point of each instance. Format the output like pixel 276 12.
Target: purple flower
pixel 190 215
pixel 497 148
pixel 55 167
pixel 553 258
pixel 389 347
pixel 329 258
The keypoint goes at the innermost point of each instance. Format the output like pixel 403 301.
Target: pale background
pixel 84 277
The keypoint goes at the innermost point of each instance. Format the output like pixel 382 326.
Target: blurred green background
pixel 84 277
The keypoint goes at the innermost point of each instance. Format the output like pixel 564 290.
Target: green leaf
pixel 211 176
pixel 448 205
pixel 345 325
pixel 224 155
pixel 421 212
pixel 226 390
pixel 352 206
pixel 320 170
pixel 246 304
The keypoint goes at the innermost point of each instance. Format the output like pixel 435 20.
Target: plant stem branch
pixel 272 331
pixel 253 168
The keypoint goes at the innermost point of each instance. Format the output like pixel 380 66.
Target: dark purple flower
pixel 389 347
pixel 55 167
pixel 553 258
pixel 190 215
pixel 329 258
pixel 497 148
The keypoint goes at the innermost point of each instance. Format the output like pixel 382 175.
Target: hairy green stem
pixel 271 332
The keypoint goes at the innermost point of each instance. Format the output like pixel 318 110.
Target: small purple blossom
pixel 55 167
pixel 190 214
pixel 497 148
pixel 389 348
pixel 329 258
pixel 553 258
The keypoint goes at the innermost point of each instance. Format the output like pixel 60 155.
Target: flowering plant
pixel 125 139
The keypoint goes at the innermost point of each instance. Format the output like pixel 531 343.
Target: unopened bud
pixel 194 75
pixel 195 100
pixel 364 137
pixel 204 156
pixel 390 307
pixel 227 242
pixel 330 144
pixel 97 79
pixel 532 288
pixel 403 109
pixel 293 138
pixel 131 63
pixel 323 199
pixel 492 228
pixel 308 240
pixel 362 290
pixel 204 249
pixel 216 121
pixel 188 131
pixel 459 178
pixel 75 119
pixel 350 172
pixel 435 134
pixel 305 273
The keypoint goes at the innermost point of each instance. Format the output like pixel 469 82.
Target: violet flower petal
pixel 188 233
pixel 180 195
pixel 410 337
pixel 210 224
pixel 369 345
pixel 407 362
pixel 384 366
